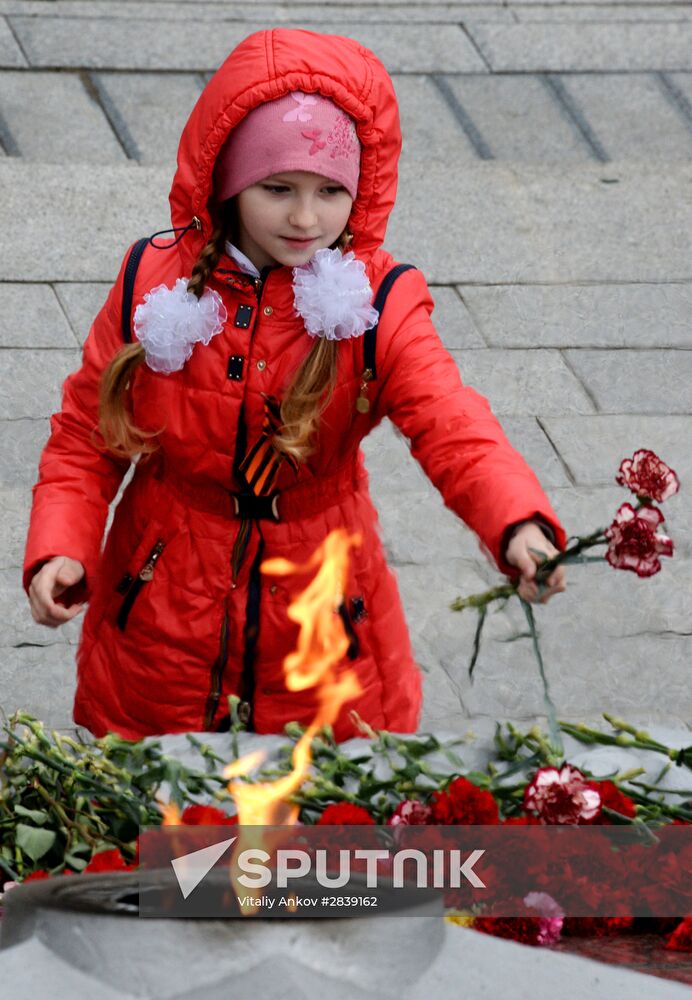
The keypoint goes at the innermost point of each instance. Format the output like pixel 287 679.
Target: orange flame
pixel 169 812
pixel 322 643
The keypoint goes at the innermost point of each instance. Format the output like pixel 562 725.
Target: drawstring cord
pixel 195 224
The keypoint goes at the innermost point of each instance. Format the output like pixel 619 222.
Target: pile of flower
pixel 68 807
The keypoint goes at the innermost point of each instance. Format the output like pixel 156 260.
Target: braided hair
pixel 120 435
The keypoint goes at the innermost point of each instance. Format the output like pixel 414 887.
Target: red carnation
pixel 527 930
pixel 564 796
pixel 198 815
pixel 108 861
pixel 541 925
pixel 410 812
pixel 613 798
pixel 596 926
pixel 345 814
pixel 681 938
pixel 464 803
pixel 35 876
pixel 647 476
pixel 633 541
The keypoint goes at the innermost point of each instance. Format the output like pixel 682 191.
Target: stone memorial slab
pixel 637 381
pixel 600 315
pixel 15 504
pixel 307 14
pixel 633 115
pixel 82 301
pixel 683 83
pixel 116 43
pixel 389 461
pixel 154 108
pixel 592 447
pixel 33 968
pixel 518 118
pixel 34 381
pixel 428 124
pixel 588 669
pixel 21 444
pixel 452 319
pixel 527 435
pixel 598 10
pixel 10 53
pixel 53 119
pixel 501 223
pixel 94 216
pixel 40 680
pixel 569 47
pixel 523 382
pixel 31 316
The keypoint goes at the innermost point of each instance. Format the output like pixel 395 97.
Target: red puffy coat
pixel 181 650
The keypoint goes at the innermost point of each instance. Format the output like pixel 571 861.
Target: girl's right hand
pixel 52 580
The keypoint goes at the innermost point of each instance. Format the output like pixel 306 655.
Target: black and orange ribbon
pixel 260 467
pixel 258 472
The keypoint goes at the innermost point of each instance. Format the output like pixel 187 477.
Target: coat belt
pixel 291 504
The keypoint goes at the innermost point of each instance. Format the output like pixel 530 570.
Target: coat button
pixel 273 589
pixel 262 364
pixel 267 310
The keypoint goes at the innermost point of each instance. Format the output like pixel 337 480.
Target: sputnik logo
pixel 190 869
pixel 295 864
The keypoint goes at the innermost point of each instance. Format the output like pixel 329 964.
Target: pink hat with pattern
pixel 295 132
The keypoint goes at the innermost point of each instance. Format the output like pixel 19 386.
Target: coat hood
pixel 267 65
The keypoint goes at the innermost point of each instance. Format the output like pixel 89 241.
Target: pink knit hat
pixel 295 132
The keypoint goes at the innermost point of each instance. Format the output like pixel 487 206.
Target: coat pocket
pixel 131 586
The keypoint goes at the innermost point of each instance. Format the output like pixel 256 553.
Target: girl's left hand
pixel 526 537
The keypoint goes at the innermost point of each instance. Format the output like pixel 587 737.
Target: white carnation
pixel 333 295
pixel 171 321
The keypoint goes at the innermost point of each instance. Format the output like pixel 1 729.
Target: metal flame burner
pixel 92 923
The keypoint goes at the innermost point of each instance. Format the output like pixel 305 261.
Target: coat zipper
pixel 145 575
pixel 219 664
pixel 217 671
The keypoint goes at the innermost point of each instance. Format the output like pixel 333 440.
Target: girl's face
pixel 285 218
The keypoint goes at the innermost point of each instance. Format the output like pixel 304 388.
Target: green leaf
pixel 478 778
pixel 81 848
pixel 452 757
pixel 34 842
pixel 35 815
pixel 75 862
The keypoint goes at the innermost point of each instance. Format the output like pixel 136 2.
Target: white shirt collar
pixel 241 260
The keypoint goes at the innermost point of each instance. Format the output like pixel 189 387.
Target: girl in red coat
pixel 249 383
